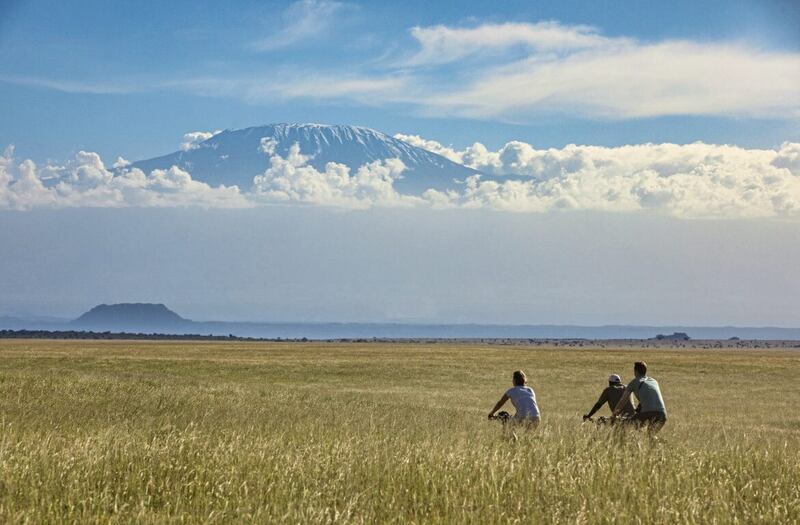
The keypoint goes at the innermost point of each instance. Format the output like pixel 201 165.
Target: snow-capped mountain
pixel 234 157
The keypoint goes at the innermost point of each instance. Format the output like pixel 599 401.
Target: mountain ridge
pixel 235 157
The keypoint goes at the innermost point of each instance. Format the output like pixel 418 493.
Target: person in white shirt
pixel 523 398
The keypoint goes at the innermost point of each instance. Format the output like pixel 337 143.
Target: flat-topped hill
pixel 130 314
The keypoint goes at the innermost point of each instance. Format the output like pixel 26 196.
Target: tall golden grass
pixel 138 432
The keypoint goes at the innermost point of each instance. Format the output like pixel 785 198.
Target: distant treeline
pixel 82 334
pixel 510 341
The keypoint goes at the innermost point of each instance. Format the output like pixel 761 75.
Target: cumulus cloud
pixel 788 157
pixel 688 181
pixel 121 162
pixel 268 145
pixel 293 179
pixel 86 182
pixel 475 155
pixel 692 181
pixel 20 186
pixel 193 139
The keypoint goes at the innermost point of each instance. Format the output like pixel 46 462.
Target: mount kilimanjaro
pixel 234 157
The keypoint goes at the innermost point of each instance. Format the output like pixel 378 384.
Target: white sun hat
pixel 614 378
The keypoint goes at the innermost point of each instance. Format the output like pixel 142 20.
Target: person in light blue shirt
pixel 651 412
pixel 523 398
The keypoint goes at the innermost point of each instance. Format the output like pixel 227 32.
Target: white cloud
pixel 509 71
pixel 286 84
pixel 85 182
pixel 688 181
pixel 432 145
pixel 268 145
pixel 26 189
pixel 519 71
pixel 293 179
pixel 121 162
pixel 95 87
pixel 366 89
pixel 302 20
pixel 691 181
pixel 788 157
pixel 441 44
pixel 475 155
pixel 193 139
pixel 633 81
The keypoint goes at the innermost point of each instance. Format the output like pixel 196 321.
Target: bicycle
pixel 609 421
pixel 504 417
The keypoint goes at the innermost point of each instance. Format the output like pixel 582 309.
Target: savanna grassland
pixel 139 432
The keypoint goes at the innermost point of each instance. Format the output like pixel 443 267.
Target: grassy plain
pixel 162 432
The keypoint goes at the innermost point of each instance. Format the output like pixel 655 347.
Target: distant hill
pixel 140 316
pixel 675 336
pixel 157 318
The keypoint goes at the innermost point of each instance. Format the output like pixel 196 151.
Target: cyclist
pixel 523 398
pixel 612 395
pixel 651 411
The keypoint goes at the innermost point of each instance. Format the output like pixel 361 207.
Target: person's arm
pixel 499 404
pixel 598 405
pixel 624 399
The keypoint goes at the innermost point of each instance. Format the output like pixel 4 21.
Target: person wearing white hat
pixel 611 395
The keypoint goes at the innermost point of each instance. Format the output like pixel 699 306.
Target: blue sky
pixel 131 79
pixel 680 203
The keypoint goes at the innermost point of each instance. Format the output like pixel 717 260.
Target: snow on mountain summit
pixel 234 157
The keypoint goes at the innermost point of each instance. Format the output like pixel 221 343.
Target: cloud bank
pixel 688 181
pixel 292 179
pixel 692 181
pixel 86 182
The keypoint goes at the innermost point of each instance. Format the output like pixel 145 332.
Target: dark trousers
pixel 652 420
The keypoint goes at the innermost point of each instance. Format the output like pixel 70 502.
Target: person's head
pixel 614 380
pixel 519 378
pixel 640 369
